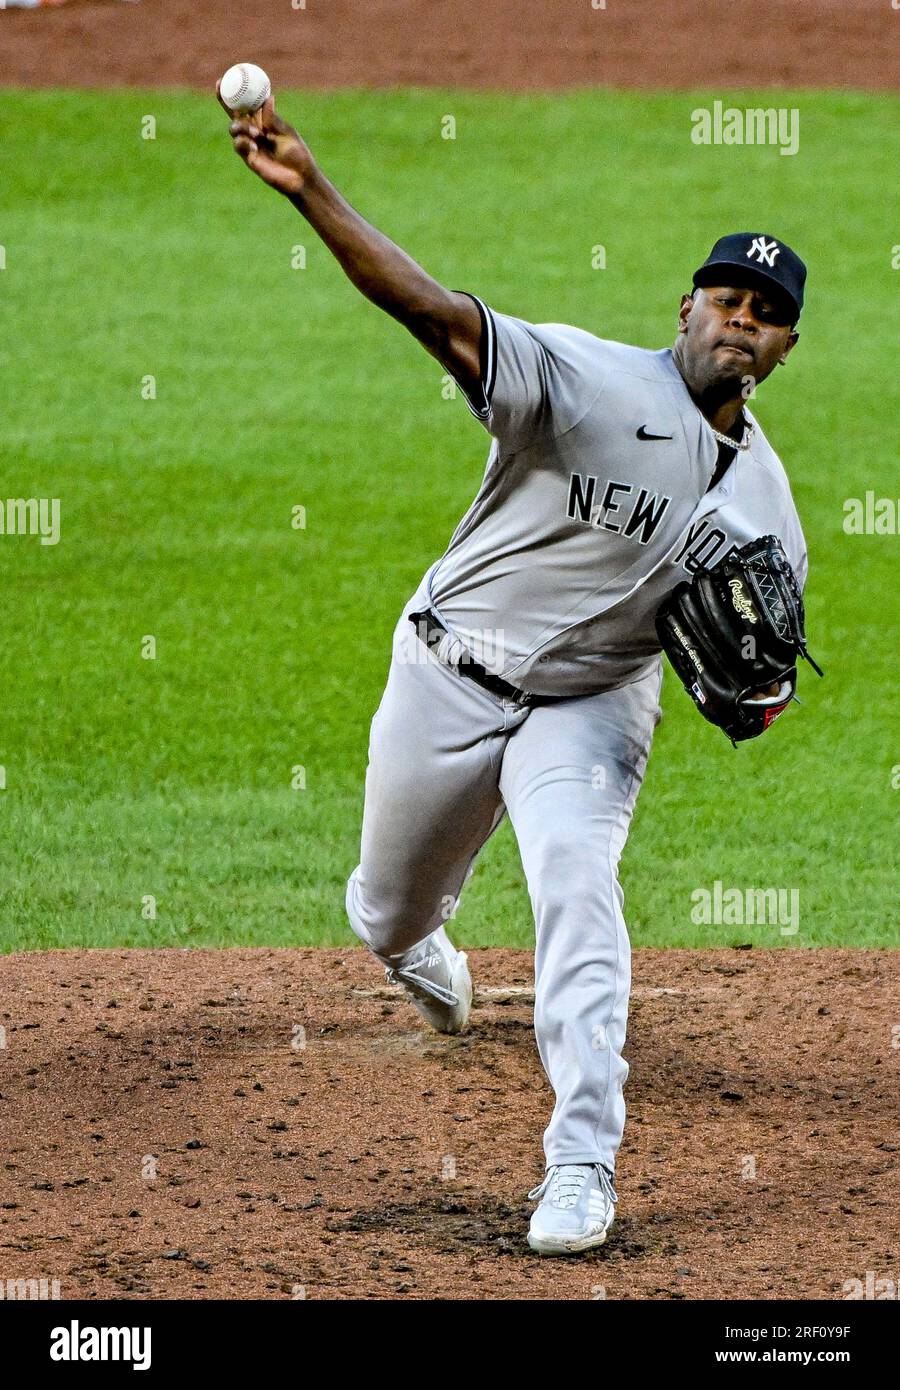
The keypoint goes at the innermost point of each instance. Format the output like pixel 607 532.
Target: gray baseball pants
pixel 447 760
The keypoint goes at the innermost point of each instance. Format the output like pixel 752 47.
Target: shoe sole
pixel 572 1245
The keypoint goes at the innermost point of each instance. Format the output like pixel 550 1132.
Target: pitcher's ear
pixel 684 308
pixel 791 344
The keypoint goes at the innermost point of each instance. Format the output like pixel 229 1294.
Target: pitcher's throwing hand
pixel 270 147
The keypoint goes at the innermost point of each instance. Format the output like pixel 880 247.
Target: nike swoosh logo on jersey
pixel 642 434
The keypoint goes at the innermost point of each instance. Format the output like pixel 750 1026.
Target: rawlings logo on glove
pixel 733 635
pixel 740 600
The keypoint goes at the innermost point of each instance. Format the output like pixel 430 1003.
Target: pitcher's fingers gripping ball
pixel 266 143
pixel 244 88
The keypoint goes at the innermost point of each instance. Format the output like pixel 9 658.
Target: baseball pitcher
pixel 630 505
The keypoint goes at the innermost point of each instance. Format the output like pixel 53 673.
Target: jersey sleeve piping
pixel 481 408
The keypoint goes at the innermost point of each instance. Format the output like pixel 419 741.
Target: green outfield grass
pixel 280 387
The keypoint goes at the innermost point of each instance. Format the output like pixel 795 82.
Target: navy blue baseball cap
pixel 761 260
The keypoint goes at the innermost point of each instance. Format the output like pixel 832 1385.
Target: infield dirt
pixel 498 44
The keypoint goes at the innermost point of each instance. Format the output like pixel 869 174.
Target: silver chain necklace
pixel 732 443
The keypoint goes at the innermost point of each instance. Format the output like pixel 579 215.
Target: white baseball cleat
pixel 578 1206
pixel 435 978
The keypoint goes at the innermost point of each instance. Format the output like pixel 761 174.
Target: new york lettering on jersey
pixel 593 505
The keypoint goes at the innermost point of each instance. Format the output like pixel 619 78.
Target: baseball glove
pixel 733 633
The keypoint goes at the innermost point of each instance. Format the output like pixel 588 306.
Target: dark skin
pixel 445 322
pixel 725 334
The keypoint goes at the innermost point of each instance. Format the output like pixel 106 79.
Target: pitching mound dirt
pixel 276 1124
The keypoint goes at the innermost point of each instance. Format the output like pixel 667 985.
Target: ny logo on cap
pixel 764 251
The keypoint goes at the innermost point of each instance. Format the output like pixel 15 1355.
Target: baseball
pixel 245 87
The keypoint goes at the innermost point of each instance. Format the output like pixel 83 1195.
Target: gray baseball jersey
pixel 593 506
pixel 595 503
